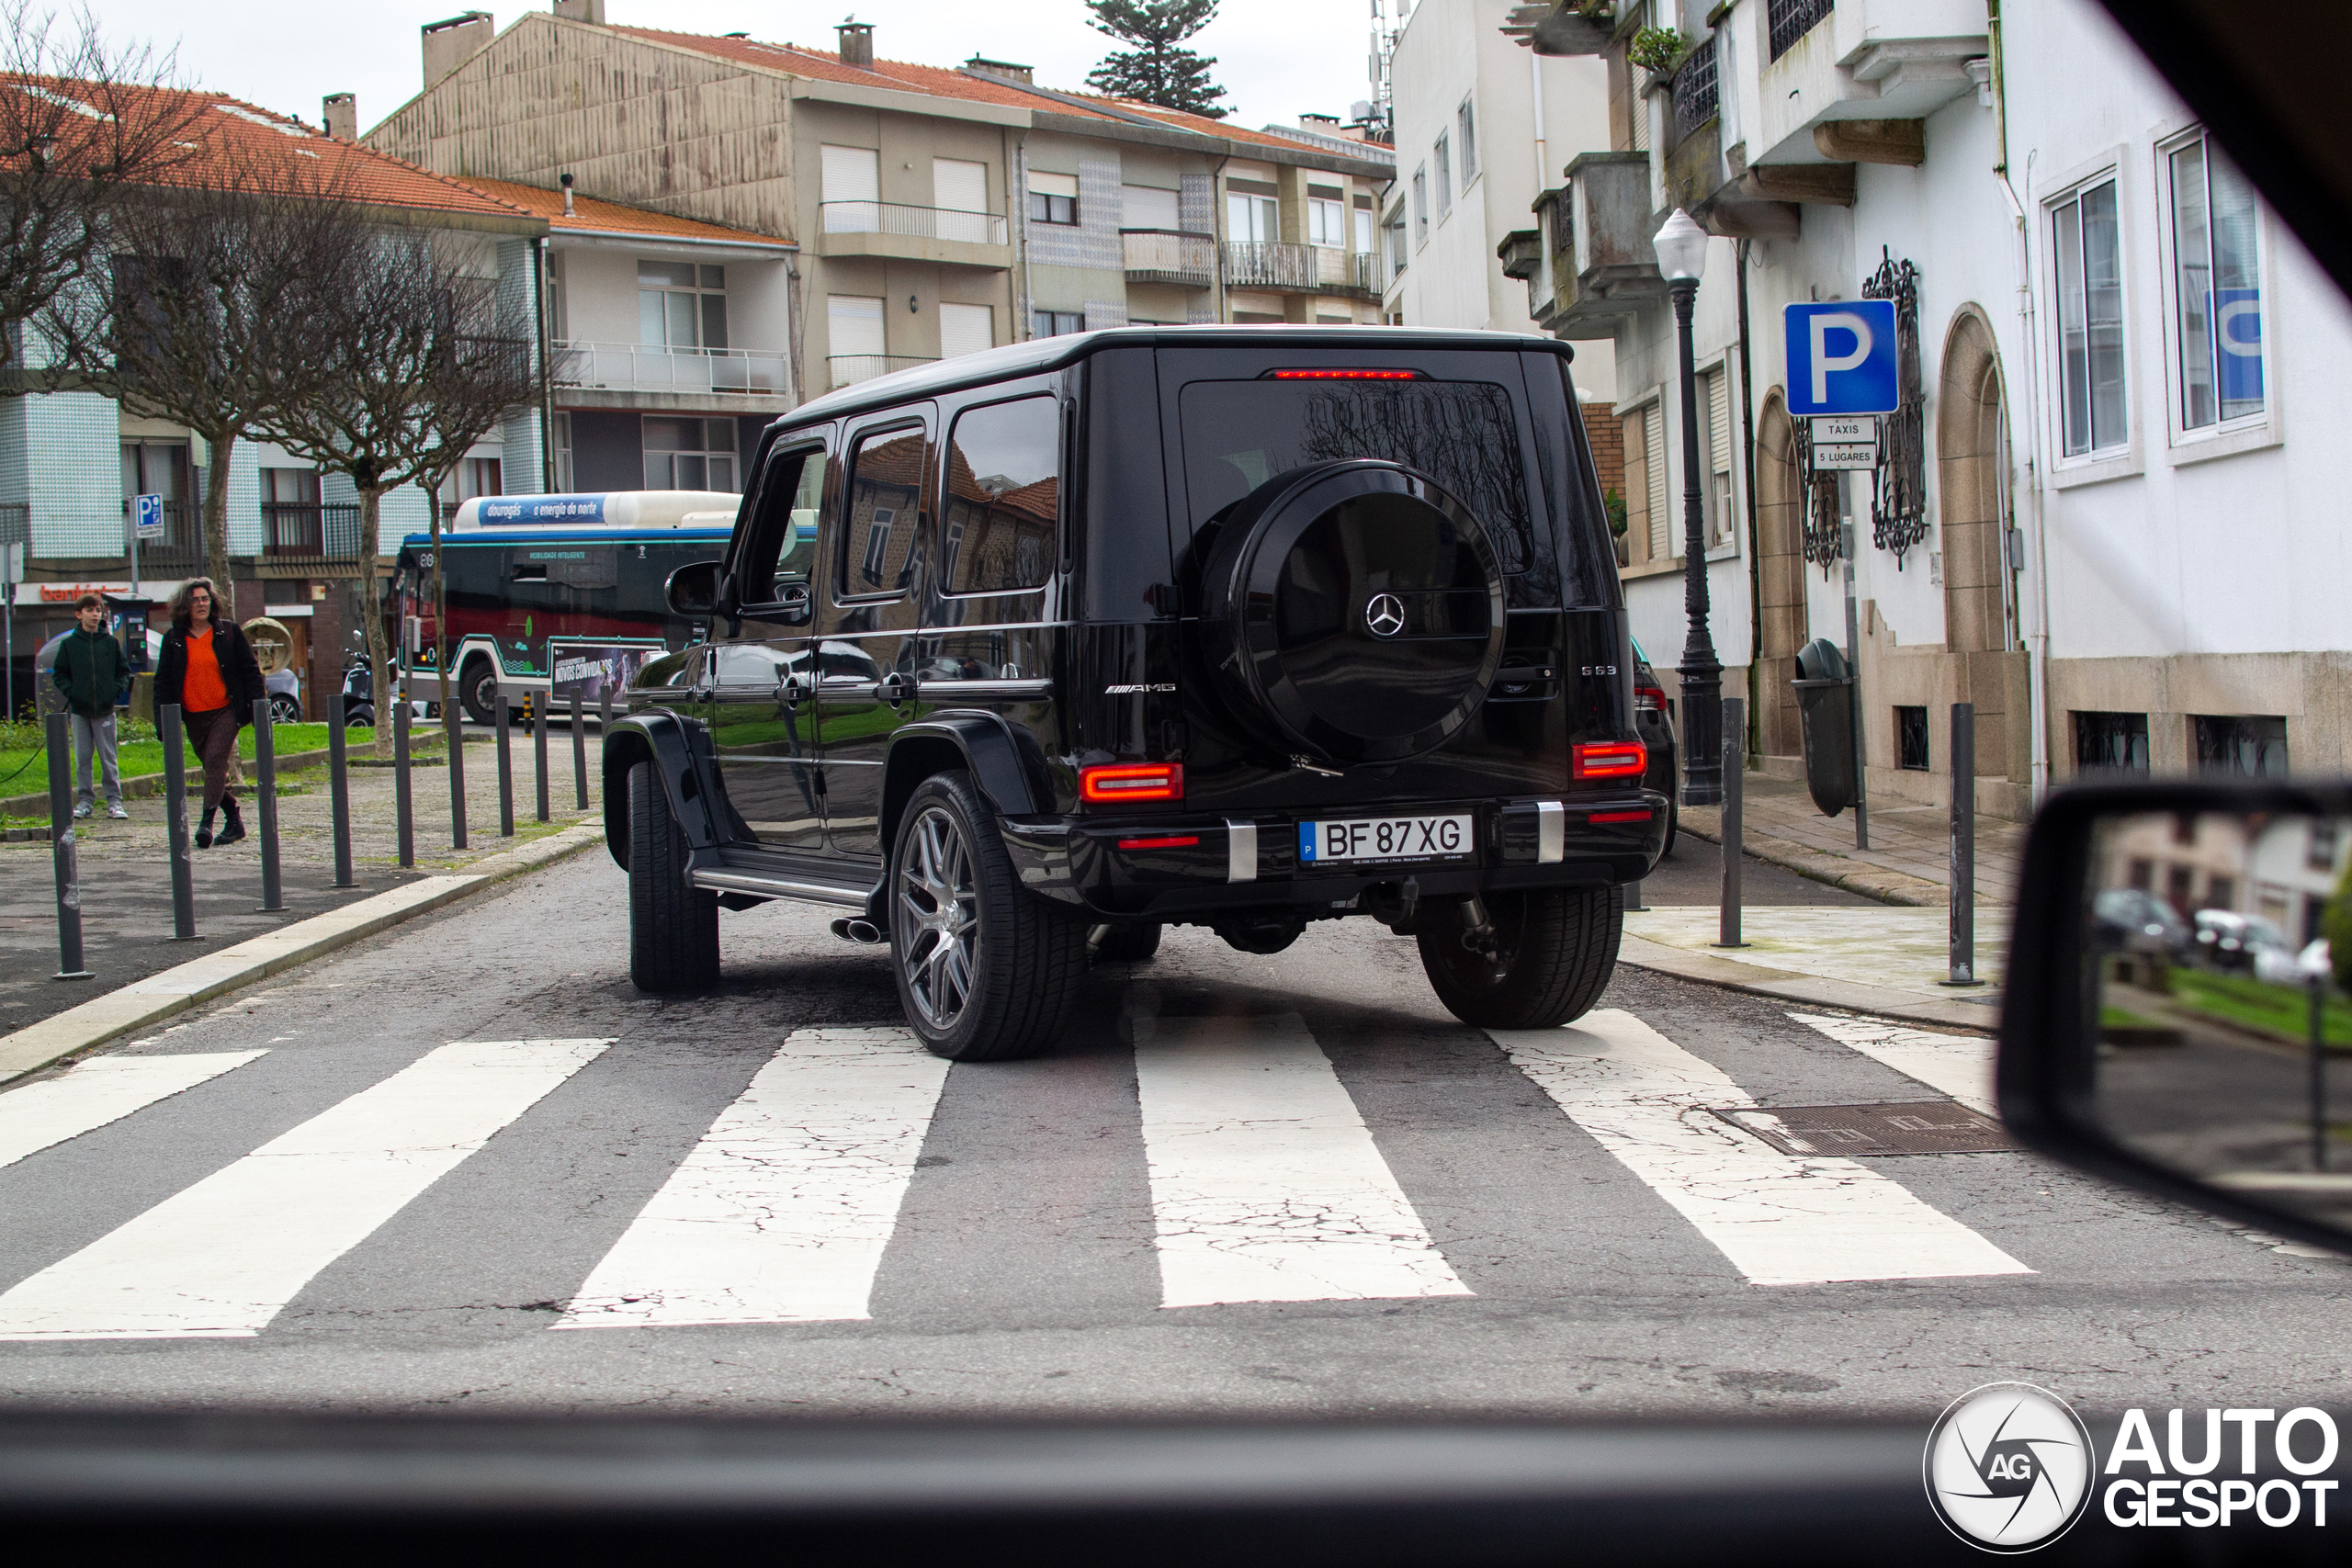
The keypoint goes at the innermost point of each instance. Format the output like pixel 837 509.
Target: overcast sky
pixel 1277 59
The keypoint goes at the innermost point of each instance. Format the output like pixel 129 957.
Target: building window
pixel 2217 288
pixel 2240 743
pixel 1053 198
pixel 1003 497
pixel 2111 742
pixel 689 454
pixel 1252 218
pixel 885 486
pixel 1911 738
pixel 1649 516
pixel 1054 323
pixel 681 305
pixel 1442 156
pixel 2087 239
pixel 1395 228
pixel 1465 126
pixel 474 477
pixel 965 329
pixel 1326 222
pixel 2320 849
pixel 156 467
pixel 1364 224
pixel 1420 207
pixel 1714 450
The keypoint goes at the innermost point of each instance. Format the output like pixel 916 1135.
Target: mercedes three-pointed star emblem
pixel 1385 613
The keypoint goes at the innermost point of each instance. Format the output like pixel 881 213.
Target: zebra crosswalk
pixel 1263 1178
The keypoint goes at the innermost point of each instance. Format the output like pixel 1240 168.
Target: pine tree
pixel 1156 71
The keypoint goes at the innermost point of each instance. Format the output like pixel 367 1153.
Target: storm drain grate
pixel 1928 1127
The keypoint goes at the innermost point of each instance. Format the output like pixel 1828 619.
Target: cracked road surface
pixel 471 1166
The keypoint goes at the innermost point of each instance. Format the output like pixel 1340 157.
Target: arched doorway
pixel 1973 481
pixel 1779 567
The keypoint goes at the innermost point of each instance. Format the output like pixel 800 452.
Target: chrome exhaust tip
pixel 865 932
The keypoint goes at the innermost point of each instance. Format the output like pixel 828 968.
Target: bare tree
pixel 207 318
pixel 421 361
pixel 82 122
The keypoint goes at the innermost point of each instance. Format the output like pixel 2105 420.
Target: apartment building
pixel 2103 336
pixel 926 211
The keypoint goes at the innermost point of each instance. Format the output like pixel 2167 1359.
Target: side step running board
pixel 778 888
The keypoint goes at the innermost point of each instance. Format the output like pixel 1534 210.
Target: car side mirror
pixel 793 603
pixel 692 591
pixel 2178 1015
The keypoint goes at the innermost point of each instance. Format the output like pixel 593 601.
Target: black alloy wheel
pixel 986 970
pixel 672 925
pixel 1553 950
pixel 477 691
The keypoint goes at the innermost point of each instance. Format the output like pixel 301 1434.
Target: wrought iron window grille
pixel 1789 20
pixel 1899 501
pixel 1694 90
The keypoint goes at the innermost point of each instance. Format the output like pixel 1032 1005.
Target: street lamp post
pixel 1681 248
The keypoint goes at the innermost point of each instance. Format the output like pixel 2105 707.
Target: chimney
pixel 341 113
pixel 589 11
pixel 857 43
pixel 978 66
pixel 565 181
pixel 451 42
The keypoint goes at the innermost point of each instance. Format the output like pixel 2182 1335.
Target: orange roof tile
pixel 595 216
pixel 939 82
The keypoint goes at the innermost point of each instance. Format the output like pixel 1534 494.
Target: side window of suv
pixel 782 545
pixel 883 495
pixel 997 522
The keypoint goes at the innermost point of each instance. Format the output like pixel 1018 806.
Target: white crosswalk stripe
pixel 223 1256
pixel 103 1089
pixel 1265 1182
pixel 1780 1219
pixel 782 1211
pixel 1958 1065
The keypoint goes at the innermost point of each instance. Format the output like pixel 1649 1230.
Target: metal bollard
pixel 62 851
pixel 505 770
pixel 453 725
pixel 579 753
pixel 604 698
pixel 273 890
pixel 339 791
pixel 1963 846
pixel 1735 766
pixel 173 734
pixel 540 705
pixel 404 823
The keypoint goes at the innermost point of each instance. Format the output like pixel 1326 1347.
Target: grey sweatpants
pixel 96 735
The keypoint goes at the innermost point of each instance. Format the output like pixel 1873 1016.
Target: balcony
pixel 1301 269
pixel 181 546
pixel 1597 232
pixel 300 532
pixel 1853 82
pixel 703 372
pixel 849 369
pixel 896 232
pixel 1163 255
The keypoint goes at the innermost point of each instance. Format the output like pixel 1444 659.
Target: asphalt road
pixel 471 1167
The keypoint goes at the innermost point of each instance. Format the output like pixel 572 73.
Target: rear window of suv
pixel 1464 434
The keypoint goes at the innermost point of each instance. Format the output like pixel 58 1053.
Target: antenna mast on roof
pixel 1389 18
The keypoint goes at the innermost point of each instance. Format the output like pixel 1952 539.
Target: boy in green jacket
pixel 95 676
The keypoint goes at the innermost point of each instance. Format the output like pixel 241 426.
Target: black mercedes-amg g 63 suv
pixel 1018 657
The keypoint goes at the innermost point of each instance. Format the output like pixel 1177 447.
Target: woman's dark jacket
pixel 239 670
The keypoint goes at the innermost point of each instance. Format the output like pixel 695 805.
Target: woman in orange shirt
pixel 209 670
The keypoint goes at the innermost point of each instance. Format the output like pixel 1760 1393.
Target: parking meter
pixel 131 625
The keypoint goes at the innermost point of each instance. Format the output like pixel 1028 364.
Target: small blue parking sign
pixel 1841 358
pixel 147 517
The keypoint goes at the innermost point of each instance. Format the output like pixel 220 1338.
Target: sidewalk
pixel 126 869
pixel 1909 858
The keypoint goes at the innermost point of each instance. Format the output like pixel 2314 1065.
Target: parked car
pixel 2228 940
pixel 1655 725
pixel 1235 627
pixel 2131 919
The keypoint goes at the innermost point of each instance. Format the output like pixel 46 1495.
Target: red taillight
pixel 1609 760
pixel 1649 699
pixel 1619 817
pixel 1180 843
pixel 1132 781
pixel 1347 374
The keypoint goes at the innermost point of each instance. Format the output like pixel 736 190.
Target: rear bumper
pixel 1175 867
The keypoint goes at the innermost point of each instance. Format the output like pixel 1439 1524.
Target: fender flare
pixel 664 739
pixel 1005 762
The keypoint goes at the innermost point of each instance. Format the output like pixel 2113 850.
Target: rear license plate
pixel 1385 839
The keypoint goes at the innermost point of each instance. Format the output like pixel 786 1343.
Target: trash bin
pixel 1825 717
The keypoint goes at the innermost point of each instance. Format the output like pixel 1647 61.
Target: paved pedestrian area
pixel 1909 859
pixel 1902 949
pixel 125 867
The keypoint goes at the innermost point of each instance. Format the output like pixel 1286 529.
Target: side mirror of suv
pixel 2178 1015
pixel 692 590
pixel 791 598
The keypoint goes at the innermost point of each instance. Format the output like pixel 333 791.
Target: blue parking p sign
pixel 1841 358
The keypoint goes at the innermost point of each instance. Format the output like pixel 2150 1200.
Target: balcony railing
pixel 1789 20
pixel 182 545
pixel 1694 90
pixel 914 222
pixel 1300 269
pixel 306 530
pixel 1164 256
pixel 637 367
pixel 848 369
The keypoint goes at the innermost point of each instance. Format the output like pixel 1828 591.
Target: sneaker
pixel 81 809
pixel 114 810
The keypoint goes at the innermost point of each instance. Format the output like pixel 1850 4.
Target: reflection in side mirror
pixel 2184 1018
pixel 793 599
pixel 692 590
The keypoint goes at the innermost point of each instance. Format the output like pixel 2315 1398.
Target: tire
pixel 986 971
pixel 672 926
pixel 1556 950
pixel 477 691
pixel 1130 943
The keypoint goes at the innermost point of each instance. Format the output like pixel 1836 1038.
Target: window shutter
pixel 1719 420
pixel 1147 207
pixel 965 329
pixel 852 173
pixel 958 186
pixel 1654 470
pixel 855 324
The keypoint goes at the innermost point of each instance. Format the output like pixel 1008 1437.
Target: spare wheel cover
pixel 1365 605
